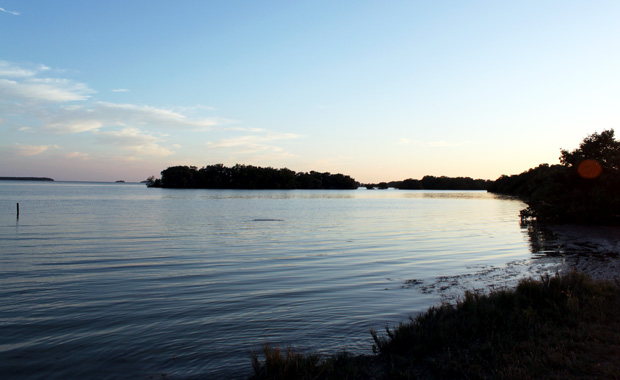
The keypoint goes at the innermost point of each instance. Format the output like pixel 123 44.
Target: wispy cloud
pixel 26 89
pixel 30 150
pixel 78 155
pixel 19 83
pixel 147 115
pixel 98 115
pixel 135 140
pixel 198 107
pixel 44 90
pixel 76 125
pixel 34 100
pixel 10 12
pixel 254 143
pixel 9 69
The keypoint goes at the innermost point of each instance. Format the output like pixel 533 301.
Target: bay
pixel 107 280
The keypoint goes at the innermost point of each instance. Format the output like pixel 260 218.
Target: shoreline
pixel 562 251
pixel 593 250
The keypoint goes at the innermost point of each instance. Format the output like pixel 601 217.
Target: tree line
pixel 430 182
pixel 248 177
pixel 254 177
pixel 583 188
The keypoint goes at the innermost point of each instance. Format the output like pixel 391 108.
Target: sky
pixel 378 90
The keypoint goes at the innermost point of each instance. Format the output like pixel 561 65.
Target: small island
pixel 429 182
pixel 25 179
pixel 248 177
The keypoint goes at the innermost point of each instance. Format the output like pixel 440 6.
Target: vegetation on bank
pixel 583 188
pixel 430 182
pixel 562 326
pixel 248 177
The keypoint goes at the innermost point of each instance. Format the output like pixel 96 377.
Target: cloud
pixel 33 100
pixel 74 126
pixel 198 107
pixel 9 69
pixel 43 90
pixel 131 114
pixel 78 155
pixel 98 115
pixel 10 12
pixel 24 83
pixel 254 143
pixel 30 150
pixel 63 106
pixel 243 129
pixel 135 140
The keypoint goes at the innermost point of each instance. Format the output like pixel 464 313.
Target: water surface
pixel 122 281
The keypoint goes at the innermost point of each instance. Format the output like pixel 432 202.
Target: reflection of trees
pixel 586 248
pixel 541 239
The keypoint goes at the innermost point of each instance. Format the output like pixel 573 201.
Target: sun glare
pixel 589 169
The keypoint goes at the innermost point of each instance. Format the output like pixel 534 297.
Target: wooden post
pixel 18 210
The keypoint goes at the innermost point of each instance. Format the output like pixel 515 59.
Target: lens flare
pixel 589 169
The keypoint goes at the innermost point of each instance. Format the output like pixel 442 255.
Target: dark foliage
pixel 601 147
pixel 25 179
pixel 584 189
pixel 430 182
pixel 248 177
pixel 541 329
pixel 453 183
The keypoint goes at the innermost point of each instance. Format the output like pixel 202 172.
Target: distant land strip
pixel 249 177
pixel 25 179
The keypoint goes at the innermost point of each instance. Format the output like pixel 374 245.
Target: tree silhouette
pixel 600 147
pixel 219 176
pixel 584 189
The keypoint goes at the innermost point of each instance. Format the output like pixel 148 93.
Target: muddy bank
pixel 594 250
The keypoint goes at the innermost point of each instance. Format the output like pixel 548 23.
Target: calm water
pixel 122 281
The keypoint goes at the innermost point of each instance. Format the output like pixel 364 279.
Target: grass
pixel 558 327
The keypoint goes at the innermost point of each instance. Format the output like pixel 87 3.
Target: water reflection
pixel 210 194
pixel 456 195
pixel 324 194
pixel 591 249
pixel 594 250
pixel 207 275
pixel 543 242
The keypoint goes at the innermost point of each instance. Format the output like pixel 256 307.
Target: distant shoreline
pixel 25 179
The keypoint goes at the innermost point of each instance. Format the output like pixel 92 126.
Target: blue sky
pixel 379 90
